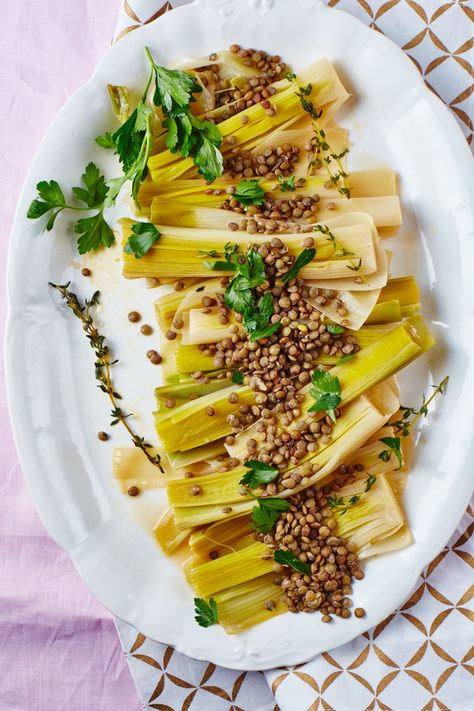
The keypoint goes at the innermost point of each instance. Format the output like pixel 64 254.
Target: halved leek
pixel 188 391
pixel 167 305
pixel 403 289
pixel 232 569
pixel 375 516
pixel 242 606
pixel 385 212
pixel 167 534
pixel 182 246
pixel 189 426
pixel 364 183
pixel 384 312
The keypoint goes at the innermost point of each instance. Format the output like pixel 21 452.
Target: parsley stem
pixel 82 209
pixel 152 66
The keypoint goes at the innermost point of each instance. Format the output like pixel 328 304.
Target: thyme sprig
pixel 410 416
pixel 340 505
pixel 403 426
pixel 103 365
pixel 338 251
pixel 323 154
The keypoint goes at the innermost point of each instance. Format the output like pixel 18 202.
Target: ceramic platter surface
pixel 57 410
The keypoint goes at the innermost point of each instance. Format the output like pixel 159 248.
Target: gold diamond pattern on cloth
pixel 421 657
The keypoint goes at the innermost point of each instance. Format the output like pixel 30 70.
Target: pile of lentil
pixel 269 164
pixel 256 89
pixel 296 213
pixel 308 531
pixel 276 368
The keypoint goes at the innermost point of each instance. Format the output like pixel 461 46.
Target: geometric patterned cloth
pixel 417 659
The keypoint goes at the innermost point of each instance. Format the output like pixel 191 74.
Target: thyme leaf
pixel 287 184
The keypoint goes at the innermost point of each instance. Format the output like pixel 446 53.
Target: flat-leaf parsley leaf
pixel 326 391
pixel 143 237
pixel 287 558
pixel 205 613
pixel 258 474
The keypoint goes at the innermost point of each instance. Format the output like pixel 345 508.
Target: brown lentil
pixel 146 330
pixel 86 272
pixel 103 436
pixel 133 491
pixel 134 316
pixel 153 282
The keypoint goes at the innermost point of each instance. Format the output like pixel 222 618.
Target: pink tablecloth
pixel 58 647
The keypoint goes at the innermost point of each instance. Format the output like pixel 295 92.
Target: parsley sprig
pixel 93 231
pixel 239 296
pixel 326 391
pixel 334 329
pixel 287 184
pixel 187 134
pixel 237 377
pixel 133 141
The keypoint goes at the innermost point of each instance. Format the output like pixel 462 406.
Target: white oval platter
pixel 57 410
